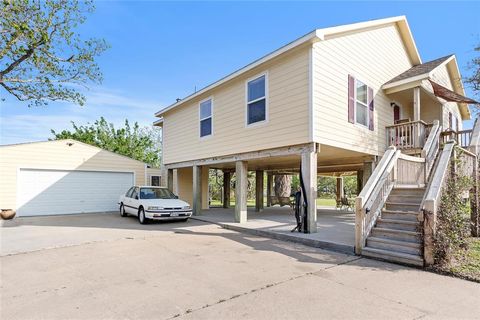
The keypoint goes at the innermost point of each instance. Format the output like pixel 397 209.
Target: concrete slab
pixel 336 229
pixel 120 269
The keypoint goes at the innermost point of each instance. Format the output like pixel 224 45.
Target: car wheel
pixel 122 210
pixel 141 216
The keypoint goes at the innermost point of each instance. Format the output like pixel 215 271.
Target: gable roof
pixel 25 144
pixel 416 74
pixel 420 69
pixel 311 37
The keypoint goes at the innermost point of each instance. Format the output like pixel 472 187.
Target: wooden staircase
pixel 397 234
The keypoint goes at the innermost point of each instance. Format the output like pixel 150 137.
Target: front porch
pixel 335 228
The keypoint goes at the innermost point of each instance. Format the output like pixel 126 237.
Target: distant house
pixel 331 101
pixel 67 176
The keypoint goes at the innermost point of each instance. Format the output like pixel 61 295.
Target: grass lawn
pixel 465 264
pixel 329 202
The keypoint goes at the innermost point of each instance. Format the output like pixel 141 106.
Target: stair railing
pixel 432 199
pixel 370 201
pixel 430 150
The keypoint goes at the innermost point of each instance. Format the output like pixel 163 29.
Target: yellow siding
pixel 442 77
pixel 58 155
pixel 154 172
pixel 183 184
pixel 374 57
pixel 288 114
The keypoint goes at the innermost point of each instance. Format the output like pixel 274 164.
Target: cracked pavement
pixel 103 266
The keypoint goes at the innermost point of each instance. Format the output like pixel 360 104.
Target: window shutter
pixel 351 99
pixel 370 108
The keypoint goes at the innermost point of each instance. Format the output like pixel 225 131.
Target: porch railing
pixel 408 135
pixel 462 137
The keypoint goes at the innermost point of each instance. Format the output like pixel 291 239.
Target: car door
pixel 134 201
pixel 127 200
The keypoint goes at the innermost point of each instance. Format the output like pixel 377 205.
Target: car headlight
pixel 155 208
pixel 186 208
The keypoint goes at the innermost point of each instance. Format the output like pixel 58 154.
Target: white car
pixel 153 203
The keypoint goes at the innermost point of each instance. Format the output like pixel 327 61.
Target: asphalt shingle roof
pixel 419 69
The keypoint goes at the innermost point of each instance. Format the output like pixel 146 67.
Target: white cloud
pixel 19 124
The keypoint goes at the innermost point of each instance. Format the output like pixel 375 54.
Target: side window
pixel 206 118
pixel 361 107
pixel 155 181
pixel 257 100
pixel 134 193
pixel 129 192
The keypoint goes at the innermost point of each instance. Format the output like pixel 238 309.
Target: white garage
pixel 50 192
pixel 66 177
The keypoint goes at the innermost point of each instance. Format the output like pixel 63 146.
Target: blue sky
pixel 163 50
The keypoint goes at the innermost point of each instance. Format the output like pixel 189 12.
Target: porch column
pixel 170 179
pixel 259 190
pixel 226 189
pixel 368 167
pixel 416 117
pixel 205 188
pixel 197 190
pixel 309 175
pixel 340 193
pixel 269 189
pixel 241 191
pixel 359 181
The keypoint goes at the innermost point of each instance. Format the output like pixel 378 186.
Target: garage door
pixel 48 192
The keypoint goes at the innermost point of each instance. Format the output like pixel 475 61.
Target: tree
pixel 283 185
pixel 142 144
pixel 474 78
pixel 42 58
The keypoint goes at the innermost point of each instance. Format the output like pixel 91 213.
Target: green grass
pixel 467 264
pixel 324 202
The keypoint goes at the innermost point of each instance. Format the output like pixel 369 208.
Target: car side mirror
pixel 136 197
pixel 175 196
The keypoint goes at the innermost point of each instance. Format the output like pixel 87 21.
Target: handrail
pixel 430 150
pixel 371 199
pixel 406 123
pixel 432 199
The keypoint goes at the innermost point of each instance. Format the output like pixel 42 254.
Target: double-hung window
pixel 361 108
pixel 206 118
pixel 257 100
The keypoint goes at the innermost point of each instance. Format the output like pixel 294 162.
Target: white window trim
pixel 263 122
pixel 200 118
pixel 361 125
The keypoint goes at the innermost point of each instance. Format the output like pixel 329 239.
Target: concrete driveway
pixel 104 266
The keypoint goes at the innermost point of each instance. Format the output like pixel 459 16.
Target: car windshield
pixel 156 193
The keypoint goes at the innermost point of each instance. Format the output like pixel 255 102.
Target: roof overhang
pixel 158 123
pixel 312 37
pixel 420 80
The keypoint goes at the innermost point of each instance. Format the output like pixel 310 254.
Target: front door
pixel 396 113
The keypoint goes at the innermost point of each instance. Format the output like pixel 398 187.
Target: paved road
pixel 103 266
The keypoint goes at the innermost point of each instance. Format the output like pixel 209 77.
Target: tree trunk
pixel 283 185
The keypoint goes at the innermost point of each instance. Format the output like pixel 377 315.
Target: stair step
pixel 398 224
pixel 394 245
pixel 401 235
pixel 400 257
pixel 406 198
pixel 400 215
pixel 408 191
pixel 402 206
